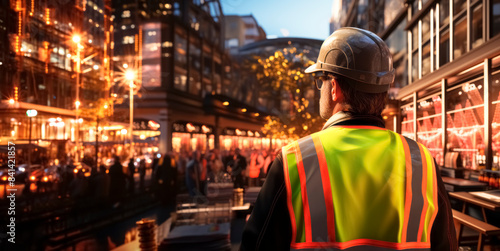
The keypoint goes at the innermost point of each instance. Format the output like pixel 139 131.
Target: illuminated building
pixel 39 70
pixel 448 73
pixel 178 50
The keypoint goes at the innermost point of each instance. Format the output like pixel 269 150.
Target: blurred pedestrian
pixel 142 173
pixel 236 166
pixel 117 182
pixel 131 172
pixel 215 167
pixel 193 174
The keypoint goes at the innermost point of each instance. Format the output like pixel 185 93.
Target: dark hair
pixel 361 103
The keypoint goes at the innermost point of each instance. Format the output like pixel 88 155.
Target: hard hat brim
pixel 313 68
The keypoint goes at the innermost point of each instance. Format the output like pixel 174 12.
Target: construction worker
pixel 354 185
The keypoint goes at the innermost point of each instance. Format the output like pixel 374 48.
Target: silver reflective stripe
pixel 417 201
pixel 314 185
pixel 359 248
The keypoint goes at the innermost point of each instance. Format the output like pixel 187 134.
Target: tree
pixel 282 79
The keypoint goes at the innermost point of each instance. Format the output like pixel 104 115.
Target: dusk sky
pixel 291 18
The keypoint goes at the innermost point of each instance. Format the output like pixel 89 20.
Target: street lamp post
pixel 31 114
pixel 129 75
pixel 77 39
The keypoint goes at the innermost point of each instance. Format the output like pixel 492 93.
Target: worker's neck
pixel 337 117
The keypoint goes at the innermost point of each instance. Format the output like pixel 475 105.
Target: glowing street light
pixel 11 101
pixel 76 39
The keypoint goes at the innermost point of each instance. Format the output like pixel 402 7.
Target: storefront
pixel 190 136
pixel 457 118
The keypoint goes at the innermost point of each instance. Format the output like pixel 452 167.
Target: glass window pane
pixel 444 48
pixel 391 10
pixel 397 43
pixel 426 24
pixel 426 59
pixel 465 121
pixel 495 17
pixel 414 35
pixel 459 5
pixel 495 91
pixel 180 52
pixel 414 7
pixel 477 27
pixel 180 79
pixel 195 67
pixel 429 128
pixel 407 118
pixel 444 12
pixel 414 67
pixel 460 38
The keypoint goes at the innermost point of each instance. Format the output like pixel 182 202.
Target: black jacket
pixel 269 227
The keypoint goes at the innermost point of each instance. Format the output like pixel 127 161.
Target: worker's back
pixel 360 186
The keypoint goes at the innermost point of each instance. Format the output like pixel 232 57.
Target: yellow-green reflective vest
pixel 360 188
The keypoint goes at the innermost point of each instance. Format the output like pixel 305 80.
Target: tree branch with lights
pixel 282 79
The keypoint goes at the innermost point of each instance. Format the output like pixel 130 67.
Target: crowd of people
pixel 241 167
pixel 171 174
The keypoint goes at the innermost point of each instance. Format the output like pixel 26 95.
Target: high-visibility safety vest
pixel 360 188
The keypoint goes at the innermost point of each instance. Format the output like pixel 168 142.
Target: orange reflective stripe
pixel 289 194
pixel 435 200
pixel 360 242
pixel 327 189
pixel 408 189
pixel 305 201
pixel 360 127
pixel 424 194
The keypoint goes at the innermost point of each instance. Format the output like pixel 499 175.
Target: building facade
pixel 184 78
pixel 240 31
pixel 52 48
pixel 447 85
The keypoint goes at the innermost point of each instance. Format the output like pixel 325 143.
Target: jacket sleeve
pixel 268 227
pixel 443 235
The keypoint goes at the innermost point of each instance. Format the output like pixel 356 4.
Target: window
pixel 397 45
pixel 495 132
pixel 128 39
pixel 444 12
pixel 477 27
pixel 180 52
pixel 458 6
pixel 426 44
pixel 195 66
pixel 126 14
pixel 495 17
pixel 465 121
pixel 429 128
pixel 444 47
pixel 407 119
pixel 460 38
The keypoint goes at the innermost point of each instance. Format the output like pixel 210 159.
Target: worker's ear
pixel 336 91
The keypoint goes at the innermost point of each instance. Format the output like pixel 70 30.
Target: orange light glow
pixel 76 39
pixel 32 178
pixel 47 16
pixel 75 170
pixel 4 178
pixel 11 101
pixel 45 179
pixel 225 103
